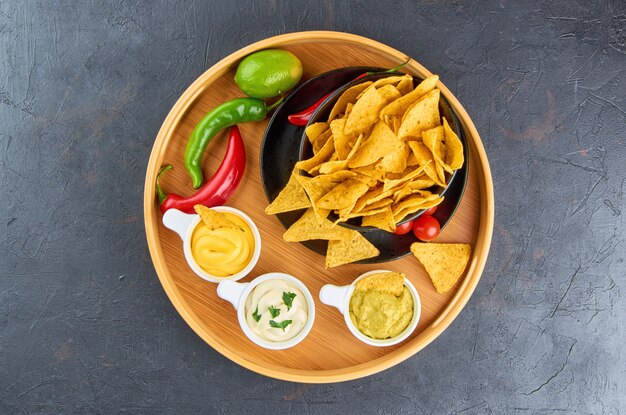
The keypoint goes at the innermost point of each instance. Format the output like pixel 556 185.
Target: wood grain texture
pixel 330 352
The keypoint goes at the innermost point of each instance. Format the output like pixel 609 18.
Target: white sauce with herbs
pixel 276 310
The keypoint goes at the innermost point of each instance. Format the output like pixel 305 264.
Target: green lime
pixel 268 73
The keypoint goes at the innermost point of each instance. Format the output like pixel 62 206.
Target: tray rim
pixel 454 307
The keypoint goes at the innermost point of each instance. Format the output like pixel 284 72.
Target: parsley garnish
pixel 280 325
pixel 274 312
pixel 256 316
pixel 288 299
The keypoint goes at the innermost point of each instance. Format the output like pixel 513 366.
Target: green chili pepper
pixel 236 111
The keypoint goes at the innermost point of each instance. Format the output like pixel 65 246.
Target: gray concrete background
pixel 85 326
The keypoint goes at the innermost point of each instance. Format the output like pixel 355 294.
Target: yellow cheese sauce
pixel 276 310
pixel 223 251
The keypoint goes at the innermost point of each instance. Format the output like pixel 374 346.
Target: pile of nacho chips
pixel 381 156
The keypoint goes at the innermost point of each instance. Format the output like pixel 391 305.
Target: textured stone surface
pixel 85 326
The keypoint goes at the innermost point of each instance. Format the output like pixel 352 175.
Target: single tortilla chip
pixel 214 219
pixel 348 97
pixel 386 282
pixel 421 116
pixel 389 93
pixel 292 197
pixel 332 166
pixel 383 220
pixel 405 86
pixel 444 263
pixel 342 141
pixel 315 130
pixel 349 250
pixel 309 227
pixel 365 112
pixel 343 196
pixel 454 148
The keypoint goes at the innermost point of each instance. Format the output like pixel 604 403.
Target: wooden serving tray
pixel 330 353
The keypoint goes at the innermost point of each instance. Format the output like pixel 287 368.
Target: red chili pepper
pixel 302 118
pixel 219 188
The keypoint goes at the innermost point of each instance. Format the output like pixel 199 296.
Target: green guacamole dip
pixel 381 315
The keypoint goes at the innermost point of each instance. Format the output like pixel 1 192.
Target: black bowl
pixel 280 149
pixel 322 113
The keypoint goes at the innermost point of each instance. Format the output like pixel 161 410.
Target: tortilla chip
pixel 406 190
pixel 412 160
pixel 389 93
pixel 425 159
pixel 454 148
pixel 434 140
pixel 342 141
pixel 396 161
pixel 292 197
pixel 386 282
pixel 371 171
pixel 349 250
pixel 344 215
pixel 214 219
pixel 365 112
pixel 390 184
pixel 421 116
pixel 323 155
pixel 343 195
pixel 414 203
pixel 336 177
pixel 390 80
pixel 400 106
pixel 348 109
pixel 382 141
pixel 405 86
pixel 332 166
pixel 349 96
pixel 444 263
pixel 321 141
pixel 410 210
pixel 315 130
pixel 378 204
pixel 315 189
pixel 309 227
pixel 383 220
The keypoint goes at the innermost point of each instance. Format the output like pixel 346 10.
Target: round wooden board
pixel 330 353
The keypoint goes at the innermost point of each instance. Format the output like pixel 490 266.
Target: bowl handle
pixel 231 291
pixel 178 221
pixel 335 296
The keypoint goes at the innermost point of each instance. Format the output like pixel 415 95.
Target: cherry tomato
pixel 426 228
pixel 430 211
pixel 404 228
